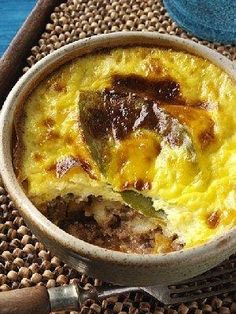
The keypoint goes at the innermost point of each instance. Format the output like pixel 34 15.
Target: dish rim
pixel 30 212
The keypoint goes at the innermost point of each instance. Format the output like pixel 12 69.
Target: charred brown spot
pixel 207 137
pixel 155 67
pixel 59 86
pixel 37 157
pixel 119 114
pixel 51 168
pixel 160 90
pixel 48 122
pixel 157 148
pixel 69 140
pixel 213 220
pixel 52 135
pixel 63 165
pixel 87 168
pixel 139 185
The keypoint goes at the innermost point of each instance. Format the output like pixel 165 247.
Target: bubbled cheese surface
pixel 197 190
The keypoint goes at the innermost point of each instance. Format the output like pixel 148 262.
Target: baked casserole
pixel 132 149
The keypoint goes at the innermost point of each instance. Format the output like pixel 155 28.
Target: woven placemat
pixel 24 261
pixel 77 19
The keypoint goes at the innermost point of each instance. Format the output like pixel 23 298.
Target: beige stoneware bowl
pixel 111 266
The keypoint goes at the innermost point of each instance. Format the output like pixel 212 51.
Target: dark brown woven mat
pixel 77 19
pixel 24 261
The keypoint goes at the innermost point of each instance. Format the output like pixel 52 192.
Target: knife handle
pixel 40 300
pixel 33 300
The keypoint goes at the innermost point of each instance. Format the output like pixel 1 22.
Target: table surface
pixel 12 13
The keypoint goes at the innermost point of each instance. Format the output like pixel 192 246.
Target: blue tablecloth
pixel 12 15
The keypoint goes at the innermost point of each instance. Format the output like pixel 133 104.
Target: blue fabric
pixel 213 20
pixel 12 15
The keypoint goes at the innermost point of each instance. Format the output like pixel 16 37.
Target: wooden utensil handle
pixel 33 300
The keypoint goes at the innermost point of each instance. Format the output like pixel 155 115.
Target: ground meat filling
pixel 107 224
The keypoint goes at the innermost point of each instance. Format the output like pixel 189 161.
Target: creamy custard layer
pixel 171 137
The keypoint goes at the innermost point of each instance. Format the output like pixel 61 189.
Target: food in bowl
pixel 132 149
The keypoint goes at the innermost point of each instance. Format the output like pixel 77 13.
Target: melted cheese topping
pixel 195 183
